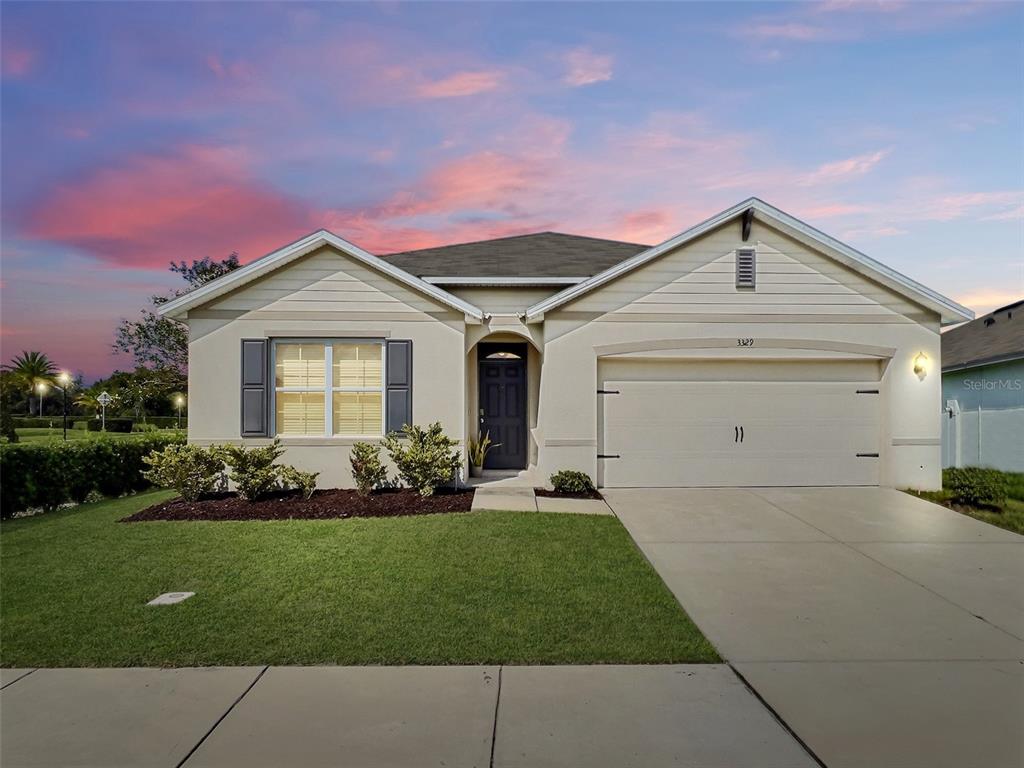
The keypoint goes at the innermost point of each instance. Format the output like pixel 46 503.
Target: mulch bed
pixel 323 505
pixel 559 495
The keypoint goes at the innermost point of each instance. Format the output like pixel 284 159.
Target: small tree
pixel 426 459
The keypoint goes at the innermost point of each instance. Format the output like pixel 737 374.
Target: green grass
pixel 490 587
pixel 1011 514
pixel 44 434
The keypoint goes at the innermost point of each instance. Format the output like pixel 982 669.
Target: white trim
pixel 299 248
pixel 949 310
pixel 503 281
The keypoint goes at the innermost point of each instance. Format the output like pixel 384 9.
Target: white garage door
pixel 749 433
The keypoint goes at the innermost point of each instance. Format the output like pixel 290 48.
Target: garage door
pixel 750 433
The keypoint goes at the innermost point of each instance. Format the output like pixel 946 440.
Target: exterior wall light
pixel 921 365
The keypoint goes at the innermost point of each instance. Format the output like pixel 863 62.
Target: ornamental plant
pixel 572 481
pixel 296 478
pixel 191 470
pixel 426 457
pixel 253 470
pixel 368 470
pixel 976 485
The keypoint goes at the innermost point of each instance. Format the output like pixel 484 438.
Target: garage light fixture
pixel 921 365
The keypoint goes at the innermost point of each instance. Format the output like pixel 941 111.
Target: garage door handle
pixel 741 434
pixel 735 434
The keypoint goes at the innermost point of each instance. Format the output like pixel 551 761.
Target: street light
pixel 41 388
pixel 65 382
pixel 179 401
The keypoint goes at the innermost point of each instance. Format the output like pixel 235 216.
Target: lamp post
pixel 65 382
pixel 179 401
pixel 41 387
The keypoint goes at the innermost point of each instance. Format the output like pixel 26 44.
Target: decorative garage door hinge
pixel 608 392
pixel 867 391
pixel 867 455
pixel 608 456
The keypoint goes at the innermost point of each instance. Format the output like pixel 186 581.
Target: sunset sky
pixel 138 133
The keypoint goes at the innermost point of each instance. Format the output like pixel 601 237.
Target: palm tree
pixel 31 369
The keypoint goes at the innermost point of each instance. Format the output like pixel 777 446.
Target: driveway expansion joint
pixel 777 716
pixel 9 683
pixel 220 719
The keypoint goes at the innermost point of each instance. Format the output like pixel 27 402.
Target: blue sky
pixel 134 134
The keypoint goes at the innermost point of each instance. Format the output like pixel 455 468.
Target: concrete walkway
pixel 883 630
pixel 399 717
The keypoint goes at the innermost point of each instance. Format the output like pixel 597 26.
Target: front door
pixel 502 374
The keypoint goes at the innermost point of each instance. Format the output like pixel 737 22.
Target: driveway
pixel 883 629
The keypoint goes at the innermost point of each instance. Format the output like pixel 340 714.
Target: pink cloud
pixel 460 84
pixel 150 209
pixel 585 67
pixel 16 60
pixel 841 170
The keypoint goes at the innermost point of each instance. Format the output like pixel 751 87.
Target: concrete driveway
pixel 883 629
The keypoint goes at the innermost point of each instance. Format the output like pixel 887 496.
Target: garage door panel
pixel 692 434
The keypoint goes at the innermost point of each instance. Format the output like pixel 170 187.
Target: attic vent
pixel 745 267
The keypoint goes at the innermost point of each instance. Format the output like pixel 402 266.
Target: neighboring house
pixel 983 391
pixel 748 350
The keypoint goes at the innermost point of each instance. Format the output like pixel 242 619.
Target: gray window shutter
pixel 746 268
pixel 255 387
pixel 398 385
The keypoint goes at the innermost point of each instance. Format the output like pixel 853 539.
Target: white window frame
pixel 329 389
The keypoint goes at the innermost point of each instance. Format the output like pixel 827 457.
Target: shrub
pixel 113 425
pixel 41 422
pixel 572 481
pixel 253 470
pixel 976 485
pixel 191 470
pixel 145 428
pixel 368 470
pixel 7 425
pixel 425 459
pixel 48 474
pixel 296 478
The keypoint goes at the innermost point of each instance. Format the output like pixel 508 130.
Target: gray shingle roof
pixel 997 336
pixel 544 254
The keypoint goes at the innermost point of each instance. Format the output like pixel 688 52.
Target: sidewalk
pixel 693 715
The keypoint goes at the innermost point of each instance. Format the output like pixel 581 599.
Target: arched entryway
pixel 503 384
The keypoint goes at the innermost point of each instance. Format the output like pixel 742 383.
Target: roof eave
pixel 178 307
pixel 982 362
pixel 948 310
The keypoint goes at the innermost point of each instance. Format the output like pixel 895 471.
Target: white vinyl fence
pixel 983 438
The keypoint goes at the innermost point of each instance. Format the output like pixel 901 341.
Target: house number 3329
pixel 744 342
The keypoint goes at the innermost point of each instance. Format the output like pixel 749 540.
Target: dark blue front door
pixel 503 409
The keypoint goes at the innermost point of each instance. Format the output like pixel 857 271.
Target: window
pixel 745 268
pixel 329 388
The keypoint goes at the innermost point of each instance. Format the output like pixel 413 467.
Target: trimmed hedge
pixel 165 422
pixel 44 422
pixel 49 474
pixel 113 425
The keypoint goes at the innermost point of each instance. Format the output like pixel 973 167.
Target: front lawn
pixel 470 588
pixel 1009 515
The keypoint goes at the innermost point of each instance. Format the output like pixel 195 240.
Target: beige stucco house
pixel 749 350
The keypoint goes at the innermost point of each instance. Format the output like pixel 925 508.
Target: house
pixel 749 350
pixel 983 391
